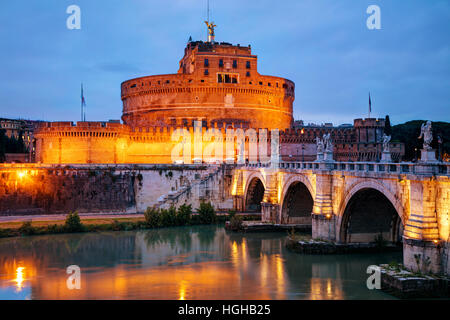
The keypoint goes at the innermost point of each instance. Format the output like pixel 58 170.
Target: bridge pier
pixel 323 219
pixel 324 227
pixel 270 212
pixel 423 248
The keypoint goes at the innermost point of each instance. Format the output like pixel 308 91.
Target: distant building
pixel 16 128
pixel 361 141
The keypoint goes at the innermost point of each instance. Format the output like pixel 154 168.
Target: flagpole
pixel 81 101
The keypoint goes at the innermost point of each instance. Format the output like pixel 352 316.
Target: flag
pixel 83 105
pixel 83 102
pixel 370 104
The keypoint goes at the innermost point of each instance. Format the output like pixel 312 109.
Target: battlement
pixel 369 122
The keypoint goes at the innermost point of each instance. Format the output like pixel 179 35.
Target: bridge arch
pixel 368 210
pixel 297 200
pixel 254 192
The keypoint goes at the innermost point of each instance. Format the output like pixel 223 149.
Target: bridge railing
pixel 441 168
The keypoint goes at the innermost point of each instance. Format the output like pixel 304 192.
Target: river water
pixel 201 262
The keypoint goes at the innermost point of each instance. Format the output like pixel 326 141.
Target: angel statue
pixel 386 140
pixel 319 144
pixel 211 27
pixel 427 134
pixel 327 142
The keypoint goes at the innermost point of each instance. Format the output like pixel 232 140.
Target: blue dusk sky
pixel 324 46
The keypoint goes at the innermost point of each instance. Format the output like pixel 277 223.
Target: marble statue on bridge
pixel 386 141
pixel 427 134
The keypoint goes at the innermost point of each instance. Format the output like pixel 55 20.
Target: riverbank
pixel 16 226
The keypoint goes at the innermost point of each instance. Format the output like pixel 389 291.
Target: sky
pixel 324 46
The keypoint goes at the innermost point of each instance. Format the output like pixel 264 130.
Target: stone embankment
pixel 328 247
pixel 403 283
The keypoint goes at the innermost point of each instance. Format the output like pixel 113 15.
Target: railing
pixel 441 168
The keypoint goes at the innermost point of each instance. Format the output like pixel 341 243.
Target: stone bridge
pixel 356 202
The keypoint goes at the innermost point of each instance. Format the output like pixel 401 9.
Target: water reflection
pixel 178 263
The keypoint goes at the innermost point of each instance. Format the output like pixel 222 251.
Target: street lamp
pixel 439 140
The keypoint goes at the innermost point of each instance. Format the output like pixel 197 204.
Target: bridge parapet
pixel 439 168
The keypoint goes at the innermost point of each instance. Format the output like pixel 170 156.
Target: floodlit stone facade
pixel 217 84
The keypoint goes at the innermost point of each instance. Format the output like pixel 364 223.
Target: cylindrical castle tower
pixel 217 83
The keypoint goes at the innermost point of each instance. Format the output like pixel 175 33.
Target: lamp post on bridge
pixel 439 140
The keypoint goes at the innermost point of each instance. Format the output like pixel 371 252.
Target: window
pixel 260 83
pixel 227 78
pixel 248 74
pixel 234 63
pixel 248 65
pixel 206 72
pixel 269 84
pixel 206 63
pixel 221 63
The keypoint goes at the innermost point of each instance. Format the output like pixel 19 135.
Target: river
pixel 198 262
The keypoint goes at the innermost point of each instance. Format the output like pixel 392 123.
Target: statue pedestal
pixel 319 157
pixel 328 156
pixel 428 155
pixel 386 156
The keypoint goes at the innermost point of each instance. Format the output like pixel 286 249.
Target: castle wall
pixel 47 189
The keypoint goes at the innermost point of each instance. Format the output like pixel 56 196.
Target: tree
pixel 387 126
pixel 3 142
pixel 409 132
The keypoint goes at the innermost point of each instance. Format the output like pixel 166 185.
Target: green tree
pixel 206 213
pixel 409 132
pixel 3 142
pixel 73 223
pixel 387 126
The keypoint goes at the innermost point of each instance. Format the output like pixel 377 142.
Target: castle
pixel 217 85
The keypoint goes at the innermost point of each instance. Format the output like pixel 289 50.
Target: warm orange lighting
pixel 303 131
pixel 328 216
pixel 19 278
pixel 21 174
pixel 182 291
pixel 436 241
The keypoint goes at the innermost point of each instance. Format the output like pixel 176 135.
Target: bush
pixel 27 229
pixel 184 215
pixel 54 228
pixel 206 213
pixel 169 217
pixel 73 223
pixel 236 223
pixel 231 214
pixel 152 217
pixel 117 226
